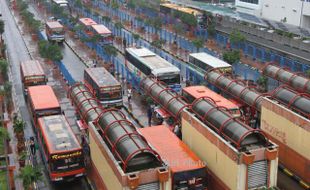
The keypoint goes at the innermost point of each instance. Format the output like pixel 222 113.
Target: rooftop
pixel 210 60
pixel 31 68
pixel 58 134
pixel 102 77
pixel 87 21
pixel 43 97
pixel 54 24
pixel 101 29
pixel 172 150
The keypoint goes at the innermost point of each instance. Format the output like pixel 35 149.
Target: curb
pixel 294 177
pixel 89 183
pixel 133 117
pixel 76 53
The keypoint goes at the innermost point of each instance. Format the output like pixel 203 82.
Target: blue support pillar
pixel 263 55
pixel 282 61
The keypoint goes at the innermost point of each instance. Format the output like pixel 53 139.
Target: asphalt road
pixel 18 52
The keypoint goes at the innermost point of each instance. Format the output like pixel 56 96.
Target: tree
pixel 30 175
pixel 198 43
pixel 118 26
pixel 4 67
pixel 236 37
pixel 136 37
pixel 4 134
pixel 262 81
pixel 132 4
pixel 231 56
pixel 50 51
pixel 110 50
pixel 178 29
pixel 158 43
pixel 1 29
pixel 157 24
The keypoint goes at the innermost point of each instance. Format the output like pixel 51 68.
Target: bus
pixel 86 23
pixel 61 152
pixel 63 4
pixel 177 10
pixel 145 63
pixel 32 74
pixel 104 33
pixel 207 62
pixel 104 86
pixel 55 31
pixel 192 93
pixel 42 102
pixel 187 170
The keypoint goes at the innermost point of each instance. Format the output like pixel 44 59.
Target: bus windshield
pixel 47 112
pixel 115 95
pixel 170 80
pixel 67 164
pixel 35 80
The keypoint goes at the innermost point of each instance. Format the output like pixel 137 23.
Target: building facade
pixel 295 12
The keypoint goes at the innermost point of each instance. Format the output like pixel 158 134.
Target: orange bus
pixel 187 170
pixel 61 152
pixel 192 93
pixel 104 33
pixel 104 86
pixel 42 102
pixel 32 74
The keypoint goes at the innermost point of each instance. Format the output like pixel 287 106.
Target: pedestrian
pixel 124 43
pixel 149 115
pixel 32 146
pixel 129 94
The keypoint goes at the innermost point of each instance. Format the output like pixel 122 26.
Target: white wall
pixel 249 8
pixel 279 9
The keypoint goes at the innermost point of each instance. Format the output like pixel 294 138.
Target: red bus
pixel 104 86
pixel 61 152
pixel 104 33
pixel 32 74
pixel 42 102
pixel 187 170
pixel 86 23
pixel 192 93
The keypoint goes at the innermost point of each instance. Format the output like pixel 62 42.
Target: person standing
pixel 129 94
pixel 32 146
pixel 149 115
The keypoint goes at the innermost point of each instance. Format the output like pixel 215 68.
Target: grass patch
pixel 3 180
pixel 1 147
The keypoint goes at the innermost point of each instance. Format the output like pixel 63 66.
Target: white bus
pixel 62 3
pixel 145 63
pixel 206 62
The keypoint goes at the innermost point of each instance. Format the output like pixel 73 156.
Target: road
pixel 17 52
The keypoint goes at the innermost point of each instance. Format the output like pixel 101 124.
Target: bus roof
pixel 101 29
pixel 43 97
pixel 153 61
pixel 202 91
pixel 102 77
pixel 54 24
pixel 171 149
pixel 57 133
pixel 31 68
pixel 87 21
pixel 60 1
pixel 182 9
pixel 210 60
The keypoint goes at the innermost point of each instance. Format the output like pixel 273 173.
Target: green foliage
pixel 118 25
pixel 211 30
pixel 131 4
pixel 4 134
pixel 106 19
pixel 178 28
pixel 18 125
pixel 94 38
pixel 156 23
pixel 110 50
pixel 262 81
pixel 29 175
pixel 189 19
pixel 22 155
pixel 3 67
pixel 114 4
pixel 136 37
pixel 308 73
pixel 50 51
pixel 3 180
pixel 1 27
pixel 78 3
pixel 158 43
pixel 231 57
pixel 236 37
pixel 198 43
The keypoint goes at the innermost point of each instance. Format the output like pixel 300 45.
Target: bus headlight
pixel 79 175
pixel 58 179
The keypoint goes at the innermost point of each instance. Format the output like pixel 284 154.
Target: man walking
pixel 149 115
